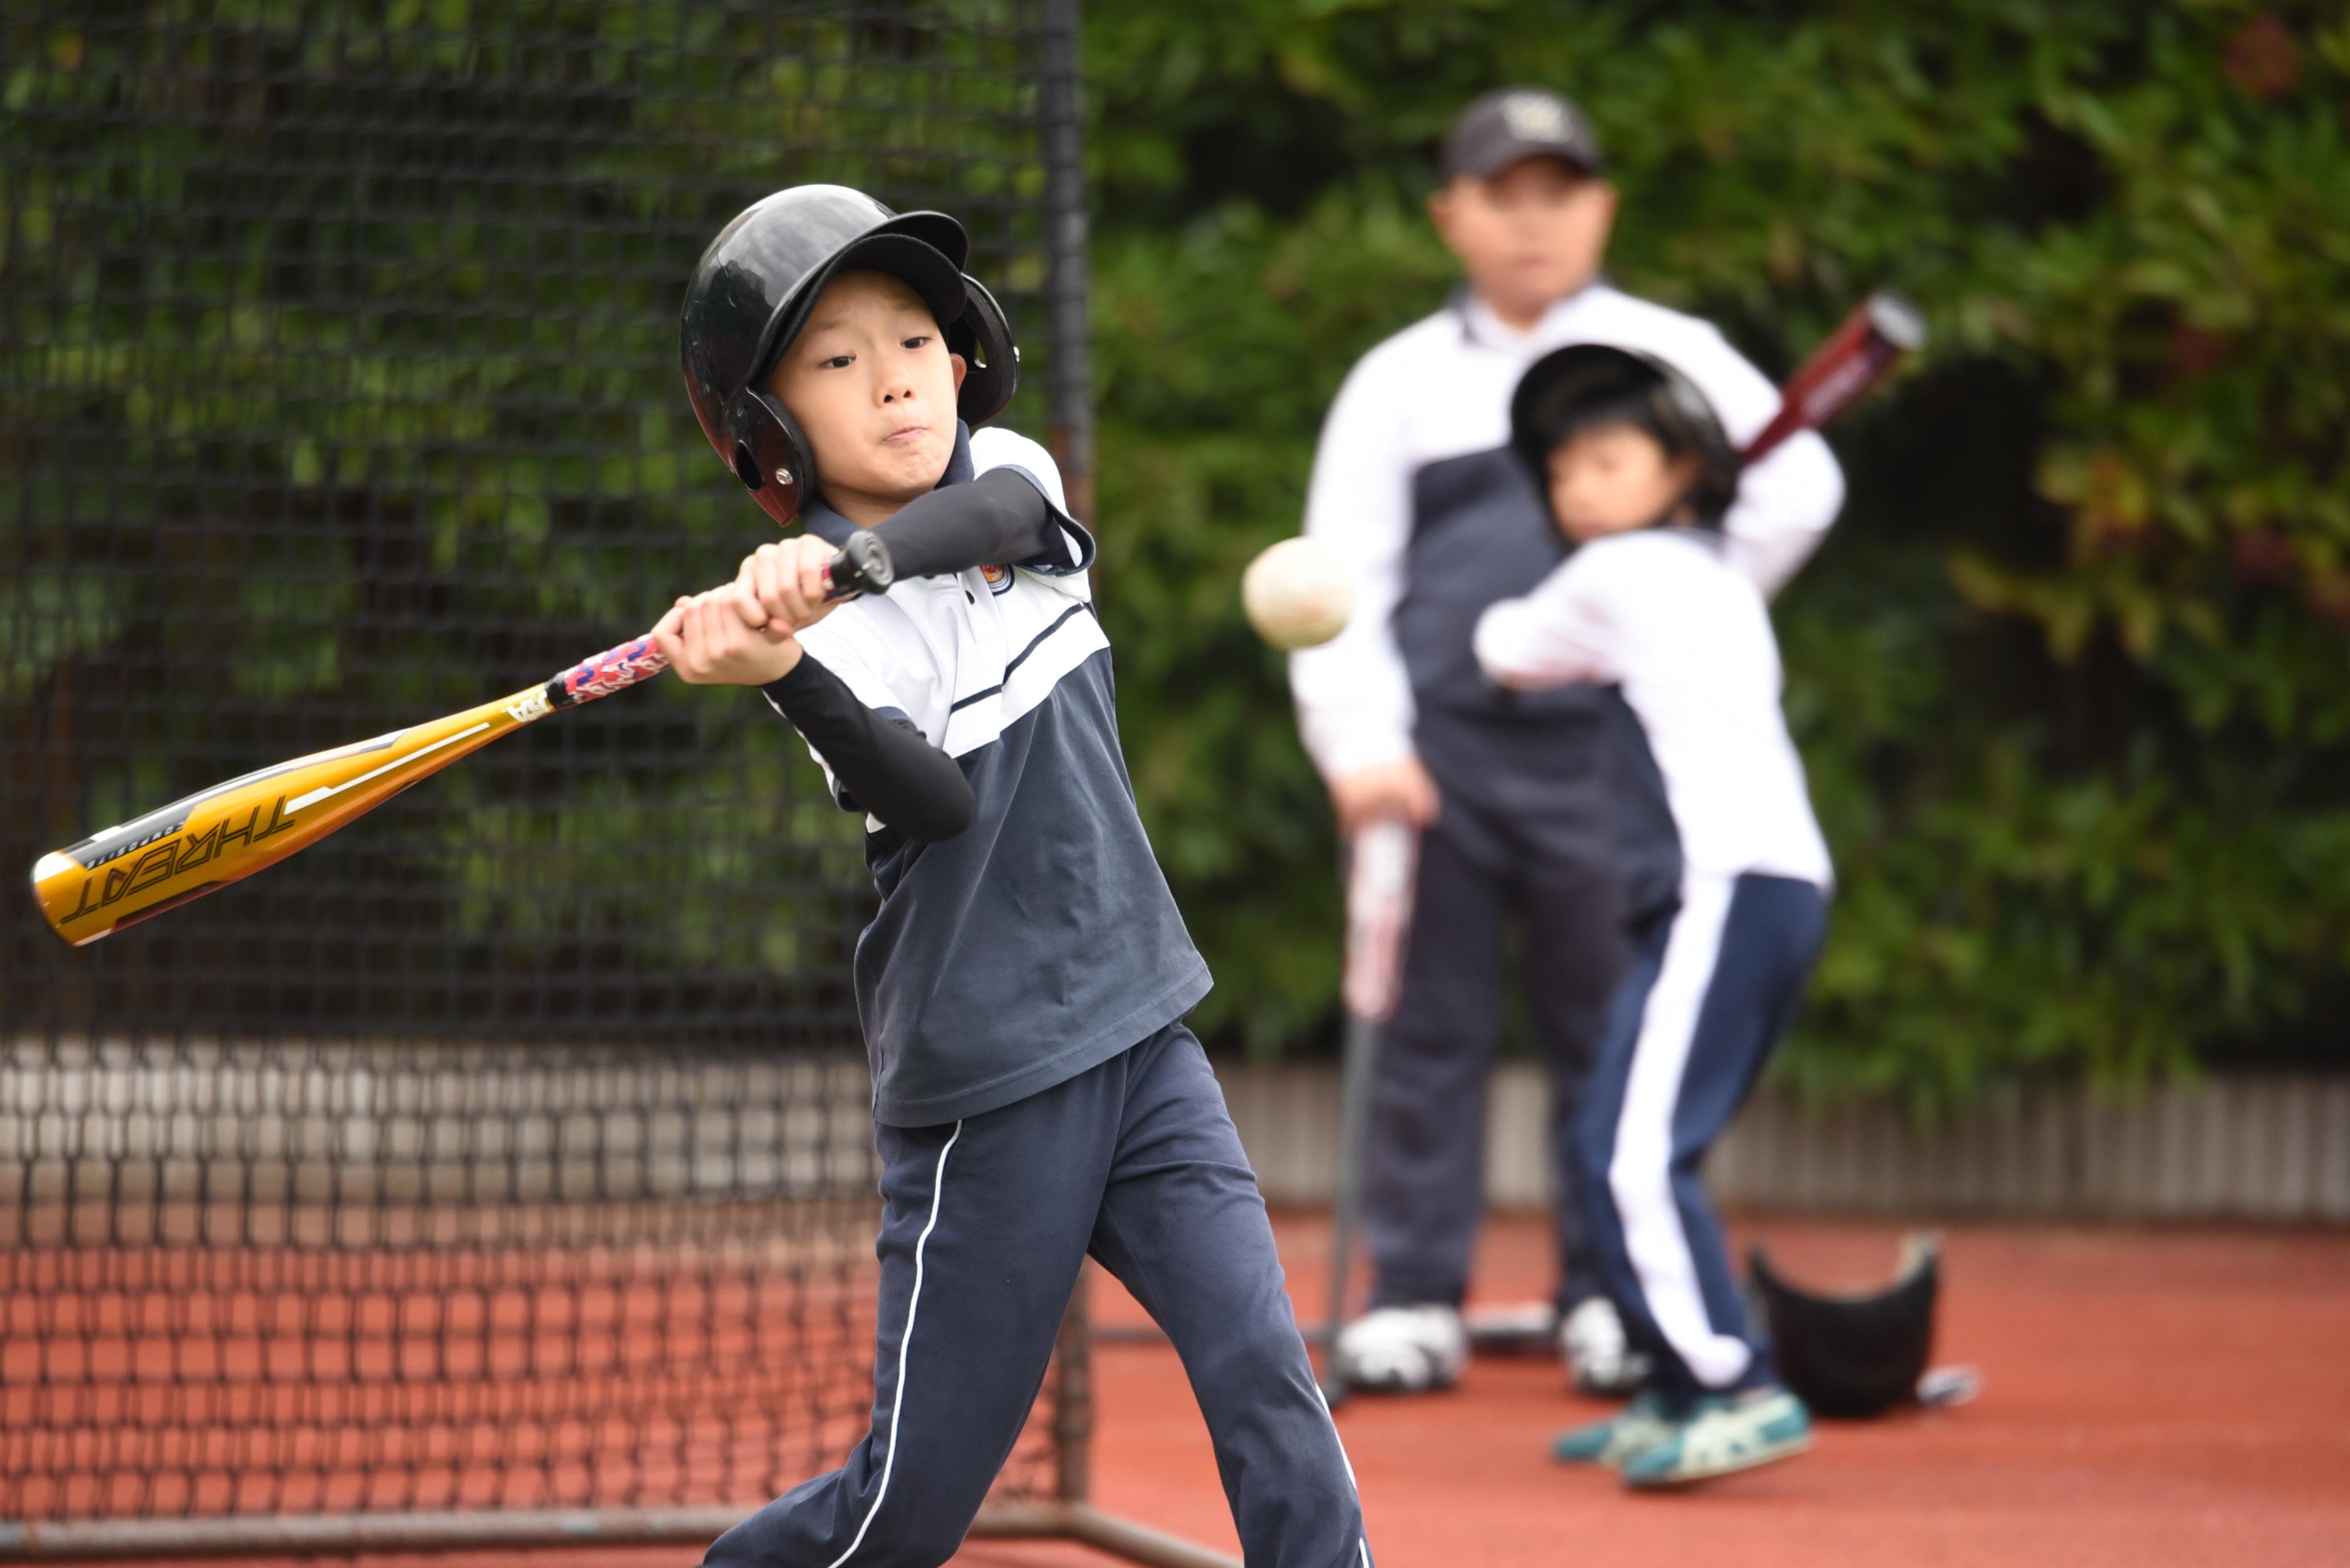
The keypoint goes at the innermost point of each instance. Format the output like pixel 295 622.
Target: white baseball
pixel 1297 594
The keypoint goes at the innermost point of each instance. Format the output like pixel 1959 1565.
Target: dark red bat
pixel 1880 329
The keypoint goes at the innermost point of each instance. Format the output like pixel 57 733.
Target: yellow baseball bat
pixel 186 849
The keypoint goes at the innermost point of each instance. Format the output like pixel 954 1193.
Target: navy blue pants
pixel 985 1223
pixel 1424 1169
pixel 1707 996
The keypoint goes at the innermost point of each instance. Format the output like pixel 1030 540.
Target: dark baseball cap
pixel 1516 122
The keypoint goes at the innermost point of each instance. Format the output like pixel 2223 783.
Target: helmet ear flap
pixel 771 457
pixel 984 337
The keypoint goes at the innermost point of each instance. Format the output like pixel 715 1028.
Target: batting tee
pixel 499 1171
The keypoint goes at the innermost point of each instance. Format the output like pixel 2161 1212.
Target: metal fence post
pixel 1068 385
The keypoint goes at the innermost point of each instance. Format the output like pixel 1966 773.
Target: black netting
pixel 509 1147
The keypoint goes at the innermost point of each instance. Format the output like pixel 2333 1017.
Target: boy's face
pixel 1613 477
pixel 1528 236
pixel 871 383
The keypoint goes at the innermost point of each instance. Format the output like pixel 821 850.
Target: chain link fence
pixel 507 1154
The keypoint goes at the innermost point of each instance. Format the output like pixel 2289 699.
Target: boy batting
pixel 1539 811
pixel 1036 1097
pixel 1637 473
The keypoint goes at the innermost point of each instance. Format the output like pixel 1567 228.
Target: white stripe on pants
pixel 1640 1171
pixel 905 1348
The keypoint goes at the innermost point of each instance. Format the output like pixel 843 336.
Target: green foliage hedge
pixel 339 387
pixel 2069 675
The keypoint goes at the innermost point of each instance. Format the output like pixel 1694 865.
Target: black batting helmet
pixel 1582 377
pixel 752 292
pixel 1856 1354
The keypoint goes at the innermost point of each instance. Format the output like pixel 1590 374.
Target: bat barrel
pixel 143 866
pixel 1865 345
pixel 1894 317
pixel 155 862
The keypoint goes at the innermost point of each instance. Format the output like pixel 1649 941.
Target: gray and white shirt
pixel 1666 614
pixel 1041 940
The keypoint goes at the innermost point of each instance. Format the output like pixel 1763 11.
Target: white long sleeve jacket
pixel 1664 614
pixel 1441 389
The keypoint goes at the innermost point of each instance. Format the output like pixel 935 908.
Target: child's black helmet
pixel 1583 377
pixel 1856 1354
pixel 752 290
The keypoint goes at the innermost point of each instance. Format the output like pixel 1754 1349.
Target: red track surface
pixel 2153 1400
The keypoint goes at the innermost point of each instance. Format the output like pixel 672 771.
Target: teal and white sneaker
pixel 1727 1433
pixel 1634 1429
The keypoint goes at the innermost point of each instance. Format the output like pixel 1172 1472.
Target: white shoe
pixel 1599 1359
pixel 1404 1349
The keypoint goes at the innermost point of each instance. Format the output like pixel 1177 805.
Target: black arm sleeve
pixel 882 763
pixel 1001 518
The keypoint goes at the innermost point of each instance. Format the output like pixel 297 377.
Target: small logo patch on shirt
pixel 999 578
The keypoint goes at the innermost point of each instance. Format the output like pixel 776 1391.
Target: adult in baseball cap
pixel 1540 824
pixel 1526 202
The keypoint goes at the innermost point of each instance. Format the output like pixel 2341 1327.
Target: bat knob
pixel 862 566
